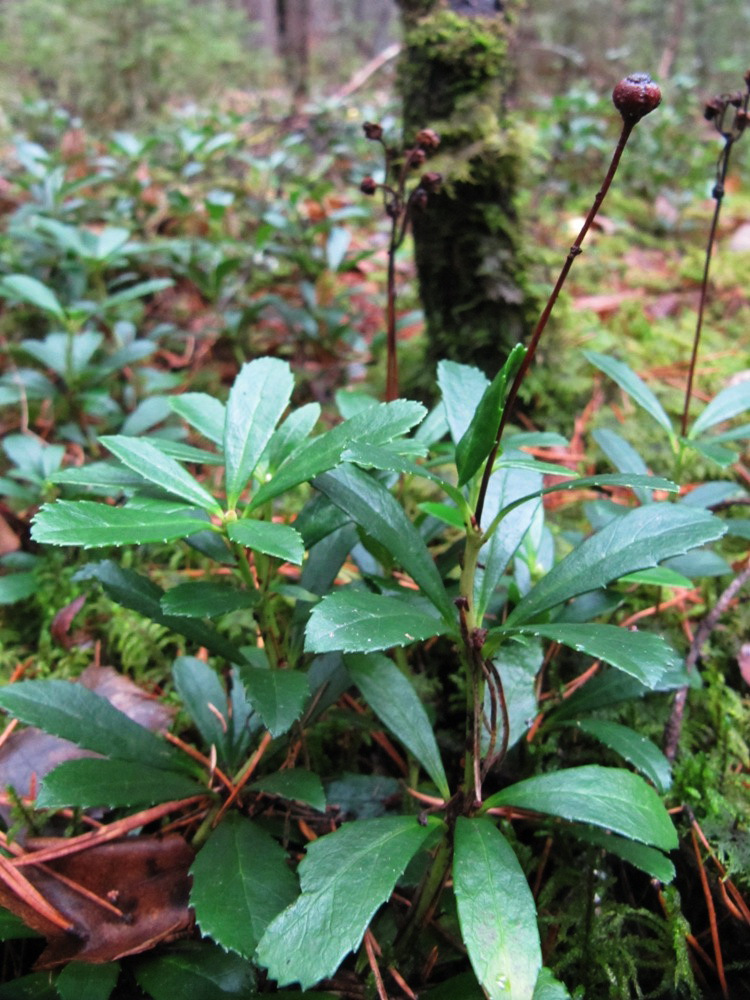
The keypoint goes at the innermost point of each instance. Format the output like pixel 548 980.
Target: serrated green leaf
pixel 92 782
pixel 729 403
pixel 648 859
pixel 602 796
pixel 496 911
pixel 371 506
pixel 88 720
pixel 392 698
pixel 205 600
pixel 17 587
pixel 479 438
pixel 660 576
pixel 633 385
pixel 638 750
pixel 148 461
pixel 13 928
pixel 107 478
pixel 142 595
pixel 345 876
pixel 257 400
pixel 185 452
pixel 279 540
pixel 199 970
pixel 92 525
pixel 278 696
pixel 241 881
pixel 643 655
pixel 377 425
pixel 449 515
pixel 460 387
pixel 24 288
pixel 63 355
pixel 203 412
pixel 137 291
pixel 623 456
pixel 205 699
pixel 84 981
pixel 35 986
pixel 355 621
pixel 292 432
pixel 549 988
pixel 297 784
pixel 640 539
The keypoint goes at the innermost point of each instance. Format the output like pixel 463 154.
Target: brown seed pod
pixel 372 131
pixel 428 138
pixel 431 181
pixel 368 186
pixel 635 96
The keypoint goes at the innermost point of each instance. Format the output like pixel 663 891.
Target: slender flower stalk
pixel 399 206
pixel 634 97
pixel 718 110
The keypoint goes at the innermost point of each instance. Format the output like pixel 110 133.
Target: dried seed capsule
pixel 713 109
pixel 635 96
pixel 372 131
pixel 419 199
pixel 368 186
pixel 427 138
pixel 431 181
pixel 417 157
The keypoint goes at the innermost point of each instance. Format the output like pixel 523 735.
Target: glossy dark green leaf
pixel 12 927
pixel 623 456
pixel 279 540
pixel 290 435
pixel 17 587
pixel 496 911
pixel 517 664
pixel 206 413
pixel 659 576
pixel 138 291
pixel 461 386
pixel 638 750
pixel 549 988
pixel 730 402
pixel 142 595
pixel 278 696
pixel 93 525
pixel 371 506
pixel 257 400
pixel 608 797
pixel 35 986
pixel 295 784
pixel 195 970
pixel 376 425
pixel 477 442
pixel 633 385
pixel 643 655
pixel 92 782
pixel 25 288
pixel 73 712
pixel 355 621
pixel 345 876
pixel 642 538
pixel 185 452
pixel 205 699
pixel 648 859
pixel 204 599
pixel 166 473
pixel 241 880
pixel 392 698
pixel 106 478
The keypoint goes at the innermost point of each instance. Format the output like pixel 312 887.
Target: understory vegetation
pixel 316 689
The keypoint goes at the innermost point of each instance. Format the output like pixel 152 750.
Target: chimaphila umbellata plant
pixel 424 532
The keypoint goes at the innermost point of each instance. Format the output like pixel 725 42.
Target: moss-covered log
pixel 454 73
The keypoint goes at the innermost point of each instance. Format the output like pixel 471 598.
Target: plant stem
pixel 574 251
pixel 718 194
pixel 391 378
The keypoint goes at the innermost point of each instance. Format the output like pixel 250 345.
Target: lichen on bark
pixel 453 77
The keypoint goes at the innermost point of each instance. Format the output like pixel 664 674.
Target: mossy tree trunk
pixel 453 77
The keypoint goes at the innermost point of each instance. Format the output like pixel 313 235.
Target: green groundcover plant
pixel 406 555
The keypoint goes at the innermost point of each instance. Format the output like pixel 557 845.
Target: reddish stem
pixel 574 251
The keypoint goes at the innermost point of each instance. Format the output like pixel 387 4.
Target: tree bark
pixel 293 32
pixel 454 73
